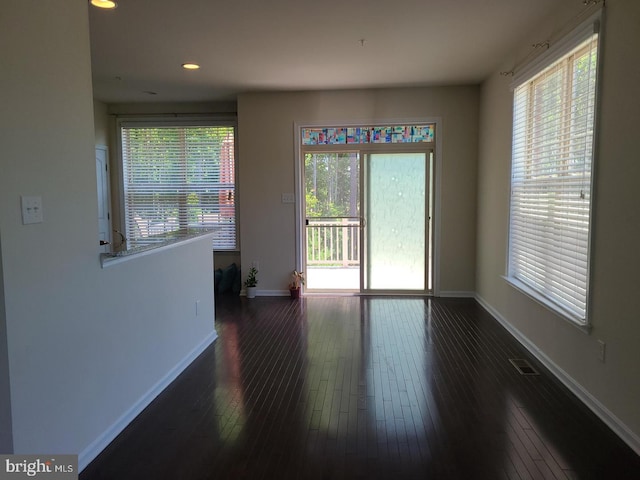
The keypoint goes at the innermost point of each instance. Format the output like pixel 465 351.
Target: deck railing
pixel 333 241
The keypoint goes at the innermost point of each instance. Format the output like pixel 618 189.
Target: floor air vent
pixel 523 366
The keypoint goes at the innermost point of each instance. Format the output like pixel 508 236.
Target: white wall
pixel 101 123
pixel 86 345
pixel 267 160
pixel 611 388
pixel 6 433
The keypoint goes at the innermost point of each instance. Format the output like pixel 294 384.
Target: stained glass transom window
pixel 363 135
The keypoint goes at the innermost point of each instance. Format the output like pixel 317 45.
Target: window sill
pixel 182 237
pixel 549 305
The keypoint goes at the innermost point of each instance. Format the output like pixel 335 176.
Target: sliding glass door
pixel 395 187
pixel 367 220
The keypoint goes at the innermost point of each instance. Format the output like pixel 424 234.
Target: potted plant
pixel 297 279
pixel 251 282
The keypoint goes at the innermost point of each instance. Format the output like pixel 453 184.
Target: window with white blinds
pixel 177 178
pixel 551 182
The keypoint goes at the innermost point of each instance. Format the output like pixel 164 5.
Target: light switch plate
pixel 288 198
pixel 31 209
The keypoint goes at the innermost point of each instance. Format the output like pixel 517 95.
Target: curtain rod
pixel 591 7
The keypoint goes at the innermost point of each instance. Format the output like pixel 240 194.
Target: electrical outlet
pixel 602 349
pixel 288 198
pixel 197 307
pixel 31 209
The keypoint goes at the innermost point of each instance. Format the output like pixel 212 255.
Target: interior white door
pixel 104 217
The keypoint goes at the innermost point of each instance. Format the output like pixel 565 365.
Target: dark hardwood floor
pixel 363 388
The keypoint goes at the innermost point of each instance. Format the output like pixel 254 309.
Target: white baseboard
pixel 93 450
pixel 268 293
pixel 613 422
pixel 454 294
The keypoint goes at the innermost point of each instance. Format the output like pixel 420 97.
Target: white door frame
pixel 299 187
pixel 104 198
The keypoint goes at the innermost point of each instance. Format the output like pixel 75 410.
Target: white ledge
pixel 549 305
pixel 111 259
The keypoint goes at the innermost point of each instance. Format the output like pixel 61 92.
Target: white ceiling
pixel 257 45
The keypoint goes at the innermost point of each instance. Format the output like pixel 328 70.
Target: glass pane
pixel 364 134
pixel 177 178
pixel 332 202
pixel 332 184
pixel 396 216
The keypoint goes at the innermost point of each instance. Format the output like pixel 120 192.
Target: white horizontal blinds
pixel 179 177
pixel 551 179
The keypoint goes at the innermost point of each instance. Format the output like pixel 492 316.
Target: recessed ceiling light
pixel 106 4
pixel 190 66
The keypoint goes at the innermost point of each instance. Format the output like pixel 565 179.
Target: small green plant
pixel 251 280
